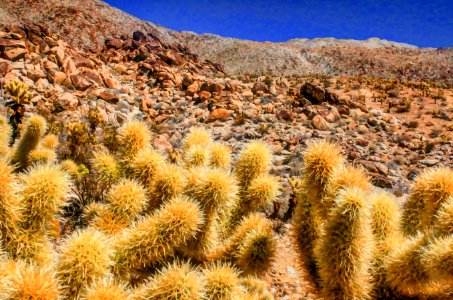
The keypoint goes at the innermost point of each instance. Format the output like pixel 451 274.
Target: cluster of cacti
pixel 355 241
pixel 18 91
pixel 188 229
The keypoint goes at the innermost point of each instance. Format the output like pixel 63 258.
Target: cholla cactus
pixel 177 281
pixel 146 165
pixel 33 132
pixel 220 156
pixel 85 258
pixel 221 282
pixel 106 168
pixel 18 91
pixel 254 160
pixel 5 137
pixel 106 289
pixel 134 136
pixel 197 136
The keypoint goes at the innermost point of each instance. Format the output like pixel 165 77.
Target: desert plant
pixel 5 137
pixel 220 155
pixel 133 137
pixel 35 128
pixel 85 258
pixel 221 282
pixel 106 288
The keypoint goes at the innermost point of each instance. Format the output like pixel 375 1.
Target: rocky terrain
pixel 390 122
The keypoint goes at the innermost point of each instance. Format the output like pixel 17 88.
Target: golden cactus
pixel 106 289
pixel 18 91
pixel 345 250
pixel 126 199
pixel 168 183
pixel 5 137
pixel 196 156
pixel 221 282
pixel 255 159
pixel 106 168
pixel 177 281
pixel 220 155
pixel 146 165
pixel 134 136
pixel 35 128
pixel 197 136
pixel 85 258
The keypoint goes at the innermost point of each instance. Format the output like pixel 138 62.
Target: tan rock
pixel 320 123
pixel 220 114
pixel 67 101
pixel 204 95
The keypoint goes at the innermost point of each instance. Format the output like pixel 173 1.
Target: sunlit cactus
pixel 126 199
pixel 168 183
pixel 146 165
pixel 255 289
pixel 85 257
pixel 18 91
pixel 345 250
pixel 42 155
pixel 431 188
pixel 197 136
pixel 340 178
pixel 178 281
pixel 10 212
pixel 443 224
pixel 5 137
pixel 32 247
pixel 94 210
pixel 221 282
pixel 43 193
pixel 257 251
pixel 133 136
pixel 255 159
pixel 29 282
pixel 156 237
pixel 220 155
pixel 196 156
pixel 106 168
pixel 106 289
pixel 50 141
pixel 437 257
pixel 34 129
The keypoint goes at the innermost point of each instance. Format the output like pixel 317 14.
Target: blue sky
pixel 425 23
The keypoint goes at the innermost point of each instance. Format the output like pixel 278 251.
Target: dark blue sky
pixel 425 23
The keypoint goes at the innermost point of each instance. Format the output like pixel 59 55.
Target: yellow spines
pixel 146 165
pixel 85 257
pixel 431 188
pixel 340 178
pixel 155 237
pixel 320 161
pixel 263 190
pixel 133 136
pixel 126 199
pixel 220 156
pixel 42 155
pixel 257 251
pixel 197 136
pixel 106 289
pixel 29 282
pixel 43 193
pixel 50 141
pixel 177 281
pixel 70 167
pixel 437 257
pixel 168 183
pixel 404 269
pixel 254 159
pixel 196 156
pixel 32 247
pixel 10 212
pixel 385 226
pixel 221 282
pixel 255 289
pixel 345 250
pixel 443 224
pixel 94 210
pixel 106 168
pixel 18 91
pixel 5 137
pixel 34 129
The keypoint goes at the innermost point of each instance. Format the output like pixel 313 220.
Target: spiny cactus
pixel 106 168
pixel 255 289
pixel 443 224
pixel 50 142
pixel 34 129
pixel 30 282
pixel 345 250
pixel 127 199
pixel 18 91
pixel 196 156
pixel 177 281
pixel 156 237
pixel 431 188
pixel 168 183
pixel 106 289
pixel 255 159
pixel 10 212
pixel 146 165
pixel 133 137
pixel 5 137
pixel 220 156
pixel 197 136
pixel 221 282
pixel 437 257
pixel 85 257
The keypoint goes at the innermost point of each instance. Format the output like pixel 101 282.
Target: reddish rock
pixel 110 95
pixel 14 53
pixel 204 95
pixel 5 67
pixel 285 114
pixel 115 44
pixel 320 123
pixel 80 82
pixel 231 87
pixel 67 101
pixel 218 114
pixel 259 87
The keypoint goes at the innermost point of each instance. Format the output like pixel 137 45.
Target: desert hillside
pixel 137 162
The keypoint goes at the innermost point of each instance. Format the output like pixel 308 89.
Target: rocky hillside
pixel 88 23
